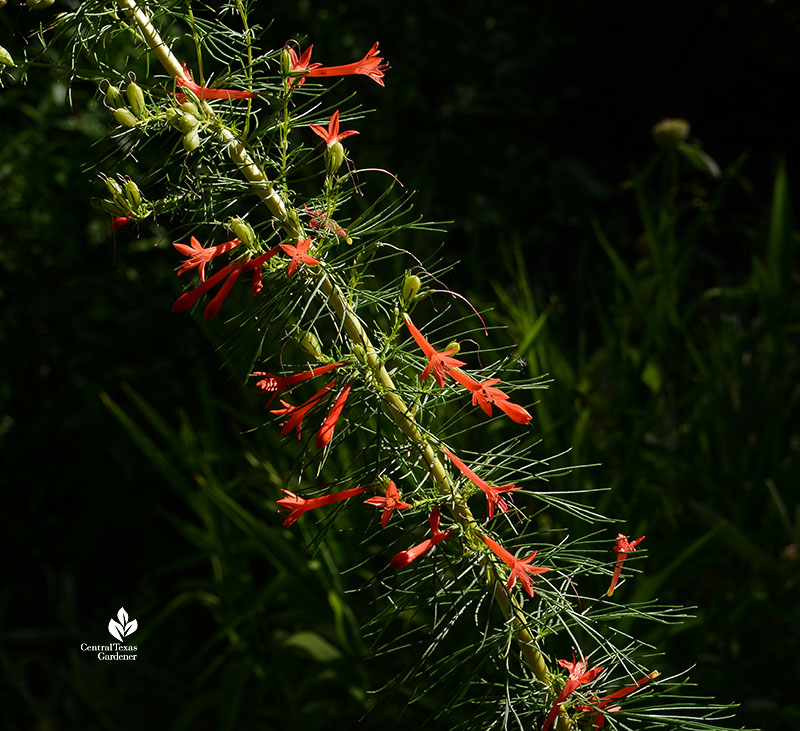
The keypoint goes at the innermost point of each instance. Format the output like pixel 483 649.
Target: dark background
pixel 521 123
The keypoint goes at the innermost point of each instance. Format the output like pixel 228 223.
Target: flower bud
pixel 190 108
pixel 114 98
pixel 187 122
pixel 411 286
pixel 191 140
pixel 286 62
pixel 309 343
pixel 125 117
pixel 173 115
pixel 334 157
pixel 360 354
pixel 39 4
pixel 243 231
pixel 135 98
pixel 5 57
pixel 132 194
pixel 671 131
pixel 453 345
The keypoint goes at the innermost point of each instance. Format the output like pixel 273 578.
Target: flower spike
pixel 622 547
pixel 389 503
pixel 492 493
pixel 438 363
pixel 297 506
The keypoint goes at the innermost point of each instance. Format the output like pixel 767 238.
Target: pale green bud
pixel 191 140
pixel 286 62
pixel 114 98
pixel 360 354
pixel 125 117
pixel 187 122
pixel 135 98
pixel 190 108
pixel 243 231
pixel 411 286
pixel 132 194
pixel 334 157
pixel 173 115
pixel 671 131
pixel 309 343
pixel 453 345
pixel 5 57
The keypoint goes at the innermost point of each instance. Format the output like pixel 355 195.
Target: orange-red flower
pixel 371 65
pixel 119 221
pixel 492 493
pixel 578 675
pixel 272 384
pixel 197 256
pixel 404 558
pixel 332 135
pixel 622 548
pixel 520 567
pixel 484 395
pixel 295 414
pixel 599 720
pixel 230 273
pixel 297 505
pixel 438 363
pixel 203 92
pixel 325 433
pixel 299 255
pixel 389 503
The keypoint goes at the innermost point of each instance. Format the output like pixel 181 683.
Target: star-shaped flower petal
pixel 299 255
pixel 492 493
pixel 438 363
pixel 332 134
pixel 521 568
pixel 389 503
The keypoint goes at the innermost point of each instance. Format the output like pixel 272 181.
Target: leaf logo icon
pixel 122 628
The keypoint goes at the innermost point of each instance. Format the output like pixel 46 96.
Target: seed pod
pixel 187 122
pixel 5 56
pixel 39 4
pixel 136 98
pixel 114 98
pixel 334 157
pixel 190 108
pixel 191 140
pixel 411 286
pixel 308 342
pixel 125 117
pixel 244 232
pixel 132 194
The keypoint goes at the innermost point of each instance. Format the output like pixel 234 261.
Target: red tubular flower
pixel 578 675
pixel 325 433
pixel 622 548
pixel 599 720
pixel 371 65
pixel 119 221
pixel 299 255
pixel 297 505
pixel 404 558
pixel 296 414
pixel 272 384
pixel 203 92
pixel 197 256
pixel 439 363
pixel 232 272
pixel 332 135
pixel 492 493
pixel 484 395
pixel 389 503
pixel 520 567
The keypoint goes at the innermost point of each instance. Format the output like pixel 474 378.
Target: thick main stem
pixel 357 333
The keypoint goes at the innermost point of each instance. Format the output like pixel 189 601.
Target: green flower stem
pixel 398 409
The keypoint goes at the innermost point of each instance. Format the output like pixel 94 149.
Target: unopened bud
pixel 191 141
pixel 187 122
pixel 173 115
pixel 113 97
pixel 190 108
pixel 243 231
pixel 411 286
pixel 125 117
pixel 132 194
pixel 39 4
pixel 5 56
pixel 360 354
pixel 286 62
pixel 135 98
pixel 671 131
pixel 334 157
pixel 309 343
pixel 453 346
